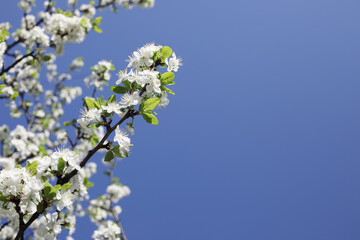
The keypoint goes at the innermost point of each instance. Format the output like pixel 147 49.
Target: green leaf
pixel 46 58
pixel 61 165
pixel 163 88
pixel 87 183
pixel 97 29
pixel 83 22
pixel 43 178
pixel 112 99
pixel 165 52
pixel 14 96
pixel 66 123
pixel 109 156
pixel 40 208
pixel 94 140
pixel 150 118
pixel 101 101
pixel 116 151
pixel 97 21
pixel 3 34
pixel 127 84
pixel 91 103
pixel 49 191
pixel 42 150
pixel 57 187
pixel 32 167
pixel 119 89
pixel 150 104
pixel 167 78
pixel 66 186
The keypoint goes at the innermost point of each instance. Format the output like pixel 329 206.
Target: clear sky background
pixel 262 138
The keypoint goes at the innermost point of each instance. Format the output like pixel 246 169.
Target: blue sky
pixel 262 138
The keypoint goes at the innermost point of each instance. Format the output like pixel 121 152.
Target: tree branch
pixel 16 62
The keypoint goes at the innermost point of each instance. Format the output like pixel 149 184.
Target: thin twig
pixel 16 62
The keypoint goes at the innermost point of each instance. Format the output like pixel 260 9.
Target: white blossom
pixel 65 198
pixel 129 100
pixel 66 29
pixel 2 51
pixel 18 182
pixel 117 192
pixel 68 156
pixel 109 230
pixel 112 107
pixel 173 63
pixel 164 101
pixel 88 10
pixel 77 63
pixel 142 58
pixel 70 93
pixel 123 140
pixel 28 22
pixel 50 226
pixel 25 5
pixel 100 74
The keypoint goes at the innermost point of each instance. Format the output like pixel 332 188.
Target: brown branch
pixel 16 62
pixel 94 150
pixel 4 225
pixel 26 225
pixel 16 201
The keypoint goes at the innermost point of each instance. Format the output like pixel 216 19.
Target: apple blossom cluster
pixel 65 28
pixel 128 3
pixel 100 75
pixel 28 190
pixel 47 163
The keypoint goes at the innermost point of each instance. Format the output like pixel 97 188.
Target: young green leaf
pixel 163 88
pixel 165 52
pixel 87 183
pixel 150 104
pixel 46 58
pixel 66 186
pixel 66 123
pixel 116 151
pixel 32 167
pixel 14 96
pixel 57 187
pixel 97 29
pixel 61 165
pixel 97 21
pixel 167 78
pixel 112 98
pixel 49 191
pixel 109 156
pixel 127 84
pixel 91 103
pixel 119 89
pixel 94 140
pixel 150 118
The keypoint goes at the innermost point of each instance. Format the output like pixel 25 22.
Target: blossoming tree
pixel 47 163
